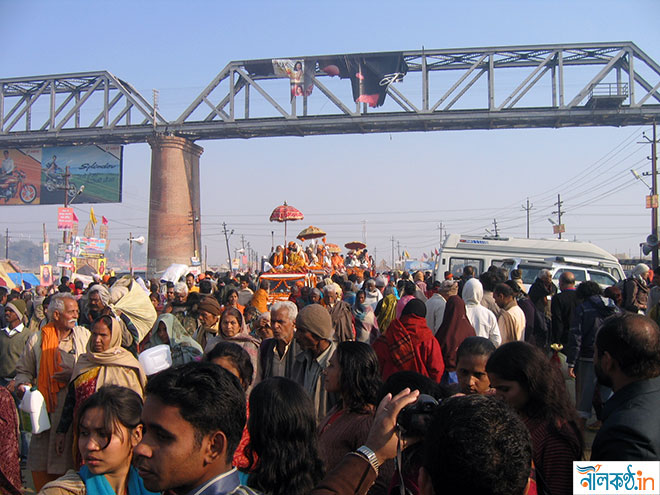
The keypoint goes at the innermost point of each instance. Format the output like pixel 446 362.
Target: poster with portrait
pixel 45 275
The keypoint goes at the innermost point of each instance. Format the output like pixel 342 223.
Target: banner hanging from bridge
pixel 36 175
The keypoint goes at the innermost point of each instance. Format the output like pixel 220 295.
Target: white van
pixel 459 251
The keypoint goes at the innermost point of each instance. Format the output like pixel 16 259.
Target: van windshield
pixel 530 272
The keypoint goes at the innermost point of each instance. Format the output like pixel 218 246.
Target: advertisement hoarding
pixel 38 174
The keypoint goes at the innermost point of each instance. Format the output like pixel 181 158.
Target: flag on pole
pixel 104 220
pixel 92 217
pixel 75 218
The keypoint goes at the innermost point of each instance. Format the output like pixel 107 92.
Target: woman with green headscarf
pixel 167 330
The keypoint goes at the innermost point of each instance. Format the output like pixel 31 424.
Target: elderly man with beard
pixel 47 363
pixel 627 359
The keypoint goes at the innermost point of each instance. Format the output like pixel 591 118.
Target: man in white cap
pixel 636 289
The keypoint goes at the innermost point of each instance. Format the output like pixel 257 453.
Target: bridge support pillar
pixel 174 206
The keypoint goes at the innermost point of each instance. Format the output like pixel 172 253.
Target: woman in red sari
pixel 409 345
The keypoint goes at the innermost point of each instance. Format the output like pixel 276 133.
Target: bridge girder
pixel 589 84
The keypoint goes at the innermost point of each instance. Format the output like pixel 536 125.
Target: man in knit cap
pixel 209 320
pixel 314 334
pixel 12 339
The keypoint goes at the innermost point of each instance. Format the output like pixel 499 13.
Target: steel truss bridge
pixel 588 84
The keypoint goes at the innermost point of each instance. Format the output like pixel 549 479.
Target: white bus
pixel 459 251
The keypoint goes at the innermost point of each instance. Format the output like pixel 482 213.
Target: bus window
pixel 456 266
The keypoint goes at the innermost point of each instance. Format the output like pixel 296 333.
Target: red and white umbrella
pixel 285 213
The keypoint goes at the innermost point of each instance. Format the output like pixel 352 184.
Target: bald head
pixel 566 280
pixel 633 341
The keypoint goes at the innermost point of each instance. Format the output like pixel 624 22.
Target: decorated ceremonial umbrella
pixel 356 245
pixel 333 248
pixel 310 232
pixel 285 213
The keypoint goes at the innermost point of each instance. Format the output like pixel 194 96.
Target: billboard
pixel 36 176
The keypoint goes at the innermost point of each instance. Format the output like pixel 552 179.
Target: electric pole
pixel 193 221
pixel 7 244
pixel 527 209
pixel 559 214
pixel 364 231
pixel 495 227
pixel 654 192
pixel 227 234
pixel 441 228
pixel 392 239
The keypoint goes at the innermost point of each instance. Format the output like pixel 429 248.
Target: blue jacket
pixel 631 430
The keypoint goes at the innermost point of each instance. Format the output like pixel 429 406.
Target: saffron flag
pixel 92 217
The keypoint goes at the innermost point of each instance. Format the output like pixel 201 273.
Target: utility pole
pixel 654 192
pixel 67 175
pixel 559 214
pixel 441 228
pixel 364 231
pixel 227 236
pixel 527 209
pixel 194 219
pixel 398 249
pixel 272 241
pixel 495 227
pixel 7 244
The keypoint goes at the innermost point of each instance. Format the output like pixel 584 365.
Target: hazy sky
pixel 401 185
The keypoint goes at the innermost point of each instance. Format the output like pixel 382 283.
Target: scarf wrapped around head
pixel 49 365
pixel 111 361
pixel 387 312
pixel 181 344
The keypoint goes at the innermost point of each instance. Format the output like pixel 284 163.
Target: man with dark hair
pixel 562 306
pixel 489 280
pixel 627 359
pixel 511 319
pixel 475 444
pixel 193 419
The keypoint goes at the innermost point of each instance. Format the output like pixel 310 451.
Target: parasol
pixel 356 245
pixel 285 213
pixel 333 248
pixel 310 232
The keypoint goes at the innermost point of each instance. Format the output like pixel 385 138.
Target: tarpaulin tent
pixel 27 280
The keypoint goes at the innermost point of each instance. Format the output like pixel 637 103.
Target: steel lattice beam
pixel 477 88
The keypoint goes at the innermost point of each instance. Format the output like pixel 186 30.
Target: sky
pixel 402 185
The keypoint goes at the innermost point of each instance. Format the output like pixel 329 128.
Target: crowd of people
pixel 303 394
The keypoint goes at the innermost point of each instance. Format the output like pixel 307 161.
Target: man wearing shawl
pixel 48 362
pixel 455 328
pixel 260 298
pixel 104 363
pixel 183 348
pixel 340 312
pixel 209 320
pixel 409 345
